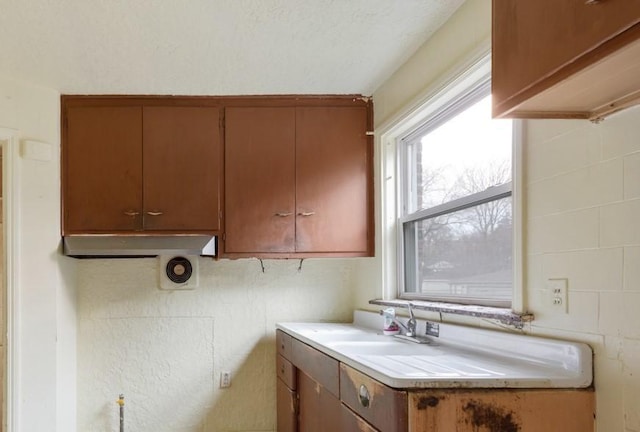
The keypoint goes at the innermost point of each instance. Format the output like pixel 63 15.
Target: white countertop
pixel 460 357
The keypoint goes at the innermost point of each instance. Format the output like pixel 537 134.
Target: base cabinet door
pixel 319 410
pixel 286 406
pixel 351 422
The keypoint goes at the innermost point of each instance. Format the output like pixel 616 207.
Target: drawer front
pixel 320 367
pixel 283 342
pixel 383 407
pixel 286 371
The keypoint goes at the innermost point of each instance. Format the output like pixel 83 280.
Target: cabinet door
pixel 351 422
pixel 102 169
pixel 532 39
pixel 286 407
pixel 182 168
pixel 333 163
pixel 319 410
pixel 260 179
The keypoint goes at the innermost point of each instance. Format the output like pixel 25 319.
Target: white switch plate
pixel 36 150
pixel 557 295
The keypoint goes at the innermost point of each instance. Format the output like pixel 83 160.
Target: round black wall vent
pixel 179 270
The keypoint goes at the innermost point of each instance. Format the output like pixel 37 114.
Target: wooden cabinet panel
pixel 284 344
pixel 286 371
pixel 182 168
pixel 260 179
pixel 320 367
pixel 488 410
pixel 381 406
pixel 131 164
pixel 332 175
pixel 577 34
pixel 101 170
pixel 299 179
pixel 319 410
pixel 351 422
pixel 286 402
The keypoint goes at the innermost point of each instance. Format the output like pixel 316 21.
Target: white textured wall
pixel 46 316
pixel 165 350
pixel 467 32
pixel 582 219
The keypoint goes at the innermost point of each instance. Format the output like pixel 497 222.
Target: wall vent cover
pixel 178 272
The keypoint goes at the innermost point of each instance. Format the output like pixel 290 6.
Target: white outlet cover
pixel 165 283
pixel 557 295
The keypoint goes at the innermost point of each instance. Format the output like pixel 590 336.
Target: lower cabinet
pixel 317 393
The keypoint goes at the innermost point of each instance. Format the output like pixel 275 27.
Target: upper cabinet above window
pixel 565 59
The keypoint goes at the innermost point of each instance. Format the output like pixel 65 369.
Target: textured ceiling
pixel 213 47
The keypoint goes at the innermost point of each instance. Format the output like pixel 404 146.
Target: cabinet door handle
pixel 592 2
pixel 283 214
pixel 306 213
pixel 154 213
pixel 131 213
pixel 363 395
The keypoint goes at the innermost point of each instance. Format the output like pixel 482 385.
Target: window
pixel 455 215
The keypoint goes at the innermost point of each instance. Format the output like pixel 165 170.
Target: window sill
pixel 505 316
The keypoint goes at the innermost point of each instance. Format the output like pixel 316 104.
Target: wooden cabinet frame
pixel 362 403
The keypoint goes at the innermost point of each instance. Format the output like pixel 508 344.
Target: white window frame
pixel 469 75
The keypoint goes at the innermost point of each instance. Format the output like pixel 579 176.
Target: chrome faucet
pixel 410 326
pixel 411 323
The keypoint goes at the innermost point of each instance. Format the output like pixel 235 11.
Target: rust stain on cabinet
pixel 427 402
pixel 494 418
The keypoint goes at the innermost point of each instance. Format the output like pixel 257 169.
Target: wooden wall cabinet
pixel 299 179
pixel 361 403
pixel 565 59
pixel 133 165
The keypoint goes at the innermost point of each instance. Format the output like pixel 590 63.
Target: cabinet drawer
pixel 283 342
pixel 286 371
pixel 320 367
pixel 382 406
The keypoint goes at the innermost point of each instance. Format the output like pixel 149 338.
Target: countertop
pixel 462 357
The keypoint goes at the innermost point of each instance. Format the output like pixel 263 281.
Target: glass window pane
pixel 467 154
pixel 464 255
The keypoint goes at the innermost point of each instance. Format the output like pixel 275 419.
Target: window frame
pixel 406 194
pixel 472 73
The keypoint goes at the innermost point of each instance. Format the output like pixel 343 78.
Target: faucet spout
pixel 411 323
pixel 409 327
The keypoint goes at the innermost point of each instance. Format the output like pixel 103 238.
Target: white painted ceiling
pixel 213 47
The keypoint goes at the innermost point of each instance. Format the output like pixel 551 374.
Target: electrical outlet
pixel 557 295
pixel 225 379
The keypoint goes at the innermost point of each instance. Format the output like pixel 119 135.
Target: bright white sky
pixel 470 139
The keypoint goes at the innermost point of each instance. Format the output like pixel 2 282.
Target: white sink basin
pixel 461 357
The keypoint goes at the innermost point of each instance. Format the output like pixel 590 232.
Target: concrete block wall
pixel 164 350
pixel 583 223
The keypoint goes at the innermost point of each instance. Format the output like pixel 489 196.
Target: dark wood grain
pixel 102 169
pixel 332 174
pixel 528 59
pixel 182 166
pixel 260 179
